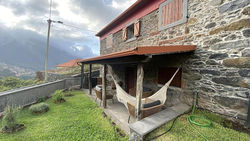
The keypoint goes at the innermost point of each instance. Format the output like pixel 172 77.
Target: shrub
pixel 58 96
pixel 42 99
pixel 39 108
pixel 10 123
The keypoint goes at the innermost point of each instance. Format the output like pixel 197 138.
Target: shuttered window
pixel 172 13
pixel 124 34
pixel 131 31
pixel 137 28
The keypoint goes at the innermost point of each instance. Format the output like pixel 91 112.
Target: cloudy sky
pixel 29 17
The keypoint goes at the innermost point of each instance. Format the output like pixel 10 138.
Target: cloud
pixel 30 7
pixel 82 19
pixel 100 12
pixel 122 4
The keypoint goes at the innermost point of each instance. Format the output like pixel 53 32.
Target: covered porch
pixel 143 60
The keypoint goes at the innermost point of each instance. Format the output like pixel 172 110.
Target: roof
pixel 146 50
pixel 72 63
pixel 127 12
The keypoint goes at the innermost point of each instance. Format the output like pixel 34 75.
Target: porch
pixel 119 114
pixel 143 61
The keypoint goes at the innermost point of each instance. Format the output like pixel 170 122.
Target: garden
pixel 182 130
pixel 65 116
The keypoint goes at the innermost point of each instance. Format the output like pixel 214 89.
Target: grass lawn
pixel 77 119
pixel 184 131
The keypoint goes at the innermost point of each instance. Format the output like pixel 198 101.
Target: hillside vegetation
pixel 13 82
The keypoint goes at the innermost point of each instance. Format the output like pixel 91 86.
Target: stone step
pixel 148 124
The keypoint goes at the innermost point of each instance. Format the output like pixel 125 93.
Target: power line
pixel 78 27
pixel 70 30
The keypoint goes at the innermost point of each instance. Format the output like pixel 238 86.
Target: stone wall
pixel 220 66
pixel 52 76
pixel 30 94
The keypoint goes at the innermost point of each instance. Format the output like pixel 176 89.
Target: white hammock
pixel 124 97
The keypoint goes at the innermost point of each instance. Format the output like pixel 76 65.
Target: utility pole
pixel 47 51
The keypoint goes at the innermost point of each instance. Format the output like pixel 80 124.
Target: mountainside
pixel 29 51
pixel 14 71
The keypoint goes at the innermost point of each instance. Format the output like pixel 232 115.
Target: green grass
pixel 77 119
pixel 184 131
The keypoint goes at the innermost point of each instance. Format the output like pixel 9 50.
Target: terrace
pixel 80 118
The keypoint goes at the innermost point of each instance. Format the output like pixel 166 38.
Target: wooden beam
pixel 139 89
pixel 120 60
pixel 90 78
pixel 82 75
pixel 104 103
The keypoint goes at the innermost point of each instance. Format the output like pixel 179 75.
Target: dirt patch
pixel 61 101
pixel 183 119
pixel 68 95
pixel 18 127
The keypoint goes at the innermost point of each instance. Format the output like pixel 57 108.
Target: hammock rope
pixel 125 98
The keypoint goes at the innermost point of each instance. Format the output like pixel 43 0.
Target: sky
pixel 82 19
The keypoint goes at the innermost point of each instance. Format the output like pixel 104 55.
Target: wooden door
pixel 165 74
pixel 130 77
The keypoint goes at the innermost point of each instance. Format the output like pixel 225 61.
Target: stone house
pixel 68 65
pixel 207 39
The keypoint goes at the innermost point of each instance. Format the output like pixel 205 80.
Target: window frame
pixel 131 24
pixel 183 20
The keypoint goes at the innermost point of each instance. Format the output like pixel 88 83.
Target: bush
pixel 58 96
pixel 42 99
pixel 10 123
pixel 39 108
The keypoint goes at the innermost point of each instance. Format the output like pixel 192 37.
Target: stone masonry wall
pixel 220 67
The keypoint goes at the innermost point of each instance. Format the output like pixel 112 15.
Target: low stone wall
pixel 29 95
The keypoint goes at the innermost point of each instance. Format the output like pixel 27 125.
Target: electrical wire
pixel 78 27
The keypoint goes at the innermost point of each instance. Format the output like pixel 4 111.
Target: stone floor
pixel 119 113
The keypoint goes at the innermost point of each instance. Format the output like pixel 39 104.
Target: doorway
pixel 130 80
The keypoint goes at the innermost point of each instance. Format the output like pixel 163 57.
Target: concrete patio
pixel 117 111
pixel 119 114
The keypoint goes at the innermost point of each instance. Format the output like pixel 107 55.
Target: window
pixel 131 31
pixel 172 13
pixel 109 41
pixel 165 74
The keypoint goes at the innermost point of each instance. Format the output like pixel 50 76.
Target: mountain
pixel 14 71
pixel 26 49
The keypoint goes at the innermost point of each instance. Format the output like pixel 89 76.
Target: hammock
pixel 125 98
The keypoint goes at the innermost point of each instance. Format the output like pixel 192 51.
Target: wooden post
pixel 82 75
pixel 90 77
pixel 104 103
pixel 139 89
